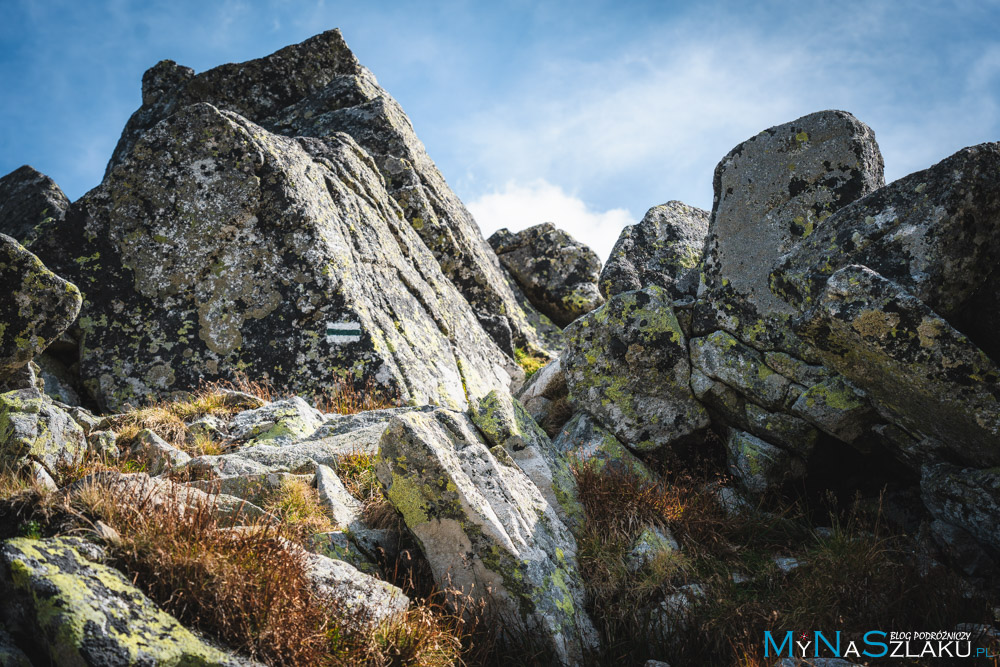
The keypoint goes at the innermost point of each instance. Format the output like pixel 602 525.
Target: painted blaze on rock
pixel 483 526
pixel 215 247
pixel 627 364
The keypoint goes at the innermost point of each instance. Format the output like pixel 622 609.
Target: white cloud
pixel 521 205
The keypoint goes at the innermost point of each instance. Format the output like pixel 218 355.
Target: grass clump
pixel 296 504
pixel 529 362
pixel 357 472
pixel 345 398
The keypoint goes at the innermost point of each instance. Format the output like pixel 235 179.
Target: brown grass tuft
pixel 345 398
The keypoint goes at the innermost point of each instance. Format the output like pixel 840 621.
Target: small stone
pixel 159 455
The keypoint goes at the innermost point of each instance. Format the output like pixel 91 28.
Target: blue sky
pixel 584 113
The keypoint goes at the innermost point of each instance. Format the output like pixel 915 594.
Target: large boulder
pixel 772 192
pixel 936 233
pixel 36 306
pixel 316 89
pixel 29 202
pixel 627 364
pixel 918 370
pixel 558 274
pixel 664 249
pixel 79 612
pixel 483 526
pixel 214 247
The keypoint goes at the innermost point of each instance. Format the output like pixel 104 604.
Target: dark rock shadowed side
pixel 29 200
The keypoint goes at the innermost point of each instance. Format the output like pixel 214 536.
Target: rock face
pixel 213 247
pixel 483 525
pixel 36 306
pixel 627 364
pixel 558 275
pixel 664 249
pixel 921 372
pixel 935 233
pixel 29 202
pixel 771 192
pixel 316 89
pixel 87 613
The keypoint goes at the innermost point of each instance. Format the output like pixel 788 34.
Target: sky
pixel 583 113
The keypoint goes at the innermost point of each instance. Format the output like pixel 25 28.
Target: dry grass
pixel 345 398
pixel 357 472
pixel 857 577
pixel 297 506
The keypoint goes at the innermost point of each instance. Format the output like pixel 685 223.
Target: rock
pixel 649 544
pixel 505 423
pixel 787 564
pixel 546 398
pixel 759 465
pixel 935 233
pixel 41 478
pixel 316 89
pixel 673 614
pixel 627 364
pixel 103 444
pixel 85 613
pixel 586 442
pixel 837 408
pixel 359 433
pixel 343 508
pixel 36 306
pixel 782 429
pixel 722 357
pixel 656 663
pixel 964 497
pixel 10 654
pixel 919 371
pixel 771 192
pixel 557 274
pixel 158 455
pixel 278 423
pixel 484 526
pixel 364 600
pixel 33 428
pixel 214 246
pixel 29 202
pixel 339 545
pixel 664 249
pixel 58 380
pixel 962 549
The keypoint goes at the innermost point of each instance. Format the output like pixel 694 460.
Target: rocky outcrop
pixel 546 398
pixel 317 89
pixel 558 274
pixel 483 525
pixel 627 364
pixel 772 192
pixel 586 443
pixel 664 249
pixel 36 306
pixel 935 233
pixel 81 612
pixel 922 373
pixel 30 202
pixel 214 246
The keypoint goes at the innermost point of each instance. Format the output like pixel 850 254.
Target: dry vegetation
pixel 853 577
